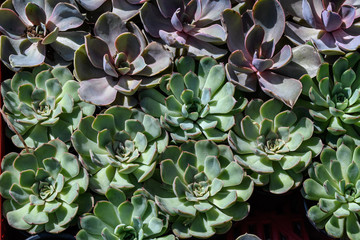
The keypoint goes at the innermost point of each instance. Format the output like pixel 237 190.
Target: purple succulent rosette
pixel 193 25
pixel 253 39
pixel 332 26
pixel 31 28
pixel 117 61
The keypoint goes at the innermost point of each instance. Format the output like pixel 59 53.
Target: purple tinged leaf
pixel 51 37
pixel 9 47
pixel 308 13
pixel 254 39
pixel 96 49
pixel 133 28
pixel 154 21
pixel 136 1
pixel 91 5
pixel 246 82
pixel 127 85
pixel 347 14
pixel 190 10
pixel 35 14
pixel 11 25
pixel 332 21
pixel 65 16
pixel 108 66
pixel 20 6
pixel 267 49
pixel 214 33
pixel 137 65
pixel 314 8
pixel 156 58
pixel 239 62
pixel 99 91
pixel 108 27
pixel 271 17
pixel 283 88
pixel 175 20
pixel 345 41
pixel 129 44
pixel 262 64
pixel 67 43
pixel 124 9
pixel 199 48
pixel 210 11
pixel 282 58
pixel 174 39
pixel 83 68
pixel 234 27
pixel 299 34
pixel 167 8
pixel 327 44
pixel 30 55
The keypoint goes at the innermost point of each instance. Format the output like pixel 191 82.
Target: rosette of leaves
pixel 119 61
pixel 119 147
pixel 274 145
pixel 118 218
pixel 33 28
pixel 202 188
pixel 335 98
pixel 193 25
pixel 44 188
pixel 43 105
pixel 334 184
pixel 253 39
pixel 331 25
pixel 195 106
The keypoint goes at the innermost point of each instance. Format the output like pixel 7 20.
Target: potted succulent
pixel 142 119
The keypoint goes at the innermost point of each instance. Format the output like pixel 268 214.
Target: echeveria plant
pixel 33 28
pixel 335 98
pixel 138 219
pixel 191 24
pixel 44 188
pixel 116 60
pixel 195 106
pixel 119 147
pixel 43 105
pixel 335 185
pixel 274 145
pixel 252 39
pixel 330 25
pixel 202 188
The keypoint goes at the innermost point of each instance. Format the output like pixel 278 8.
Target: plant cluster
pixel 157 119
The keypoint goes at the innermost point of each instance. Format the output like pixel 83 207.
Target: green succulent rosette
pixel 194 106
pixel 43 105
pixel 45 189
pixel 273 145
pixel 334 98
pixel 119 147
pixel 117 218
pixel 335 184
pixel 201 187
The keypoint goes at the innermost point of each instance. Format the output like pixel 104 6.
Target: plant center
pixel 36 31
pixel 125 232
pixel 274 144
pixel 46 189
pixel 199 189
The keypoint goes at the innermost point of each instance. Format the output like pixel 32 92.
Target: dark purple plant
pixel 329 24
pixel 191 24
pixel 253 39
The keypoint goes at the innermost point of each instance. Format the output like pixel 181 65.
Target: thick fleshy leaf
pixel 128 44
pixel 65 16
pixel 331 20
pixel 125 9
pixel 98 91
pixel 234 26
pixel 10 24
pixel 30 55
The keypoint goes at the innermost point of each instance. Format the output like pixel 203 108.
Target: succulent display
pixel 187 24
pixel 274 145
pixel 334 184
pixel 121 219
pixel 119 148
pixel 120 61
pixel 334 98
pixel 43 105
pixel 253 41
pixel 195 106
pixel 202 188
pixel 44 189
pixel 32 28
pixel 330 25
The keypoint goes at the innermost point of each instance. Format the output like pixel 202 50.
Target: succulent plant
pixel 274 145
pixel 330 25
pixel 43 105
pixel 195 106
pixel 201 187
pixel 334 98
pixel 44 188
pixel 33 28
pixel 121 219
pixel 334 184
pixel 252 39
pixel 187 24
pixel 119 147
pixel 119 61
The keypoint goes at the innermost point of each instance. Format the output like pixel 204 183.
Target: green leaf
pixel 133 126
pixel 339 67
pixel 212 167
pixel 280 181
pixel 352 226
pixel 16 218
pixel 232 175
pixel 249 129
pixel 107 213
pixel 270 108
pixel 104 121
pixel 314 190
pixel 215 79
pixel 192 83
pixel 223 199
pixel 200 228
pixel 168 171
pixel 215 217
pixel 176 85
pixel 18 194
pixel 335 227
